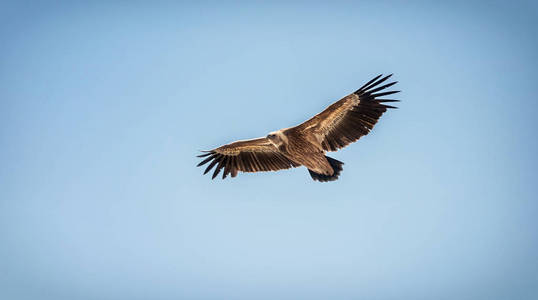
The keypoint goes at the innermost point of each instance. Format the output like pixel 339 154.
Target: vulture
pixel 340 124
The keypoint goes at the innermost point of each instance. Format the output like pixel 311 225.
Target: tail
pixel 337 168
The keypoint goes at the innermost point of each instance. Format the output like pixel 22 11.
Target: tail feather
pixel 337 168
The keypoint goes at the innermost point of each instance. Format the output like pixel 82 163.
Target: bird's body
pixel 305 150
pixel 340 124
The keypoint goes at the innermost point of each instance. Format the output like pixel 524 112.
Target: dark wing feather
pixel 247 156
pixel 350 118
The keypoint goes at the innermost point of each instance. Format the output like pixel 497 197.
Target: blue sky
pixel 104 107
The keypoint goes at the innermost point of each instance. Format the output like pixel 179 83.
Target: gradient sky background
pixel 104 107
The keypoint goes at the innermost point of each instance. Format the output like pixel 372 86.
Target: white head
pixel 277 138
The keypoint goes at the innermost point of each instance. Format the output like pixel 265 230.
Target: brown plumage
pixel 340 124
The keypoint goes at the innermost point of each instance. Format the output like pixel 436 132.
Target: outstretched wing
pixel 247 156
pixel 350 118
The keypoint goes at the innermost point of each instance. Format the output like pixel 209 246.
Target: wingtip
pixel 386 100
pixel 217 170
pixel 367 84
pixel 376 81
pixel 205 153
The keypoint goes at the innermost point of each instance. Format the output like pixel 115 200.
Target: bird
pixel 339 125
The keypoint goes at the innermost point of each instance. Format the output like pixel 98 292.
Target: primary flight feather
pixel 340 124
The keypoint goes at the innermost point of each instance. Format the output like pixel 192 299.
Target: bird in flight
pixel 340 124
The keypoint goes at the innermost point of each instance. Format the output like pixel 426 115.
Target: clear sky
pixel 104 106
